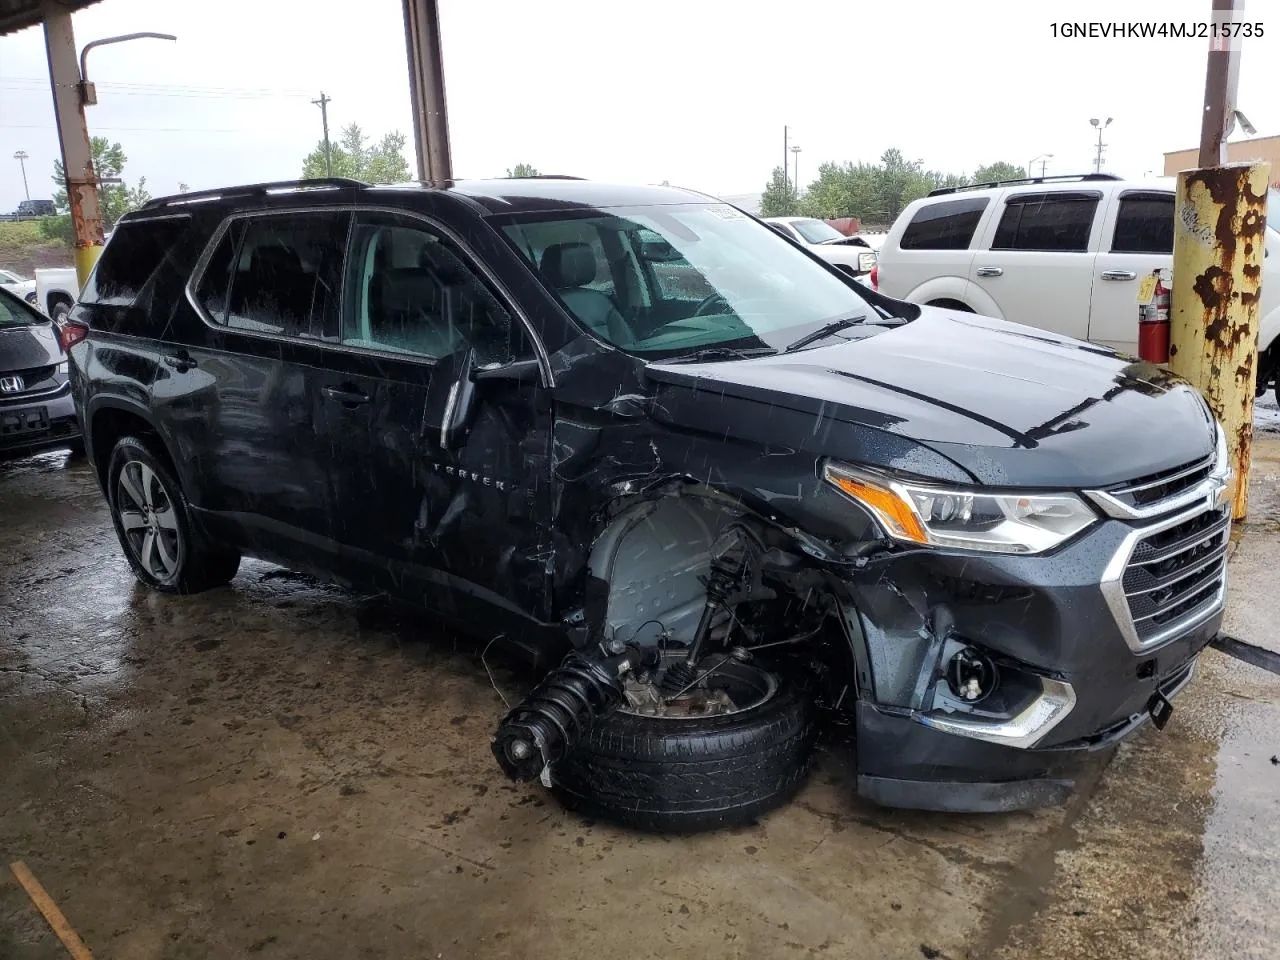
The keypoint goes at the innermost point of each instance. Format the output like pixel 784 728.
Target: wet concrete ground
pixel 281 769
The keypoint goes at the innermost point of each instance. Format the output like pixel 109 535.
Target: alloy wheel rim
pixel 149 520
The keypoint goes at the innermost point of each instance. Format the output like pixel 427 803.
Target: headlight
pixel 965 519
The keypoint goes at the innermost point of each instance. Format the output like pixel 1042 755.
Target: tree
pixel 994 172
pixel 523 170
pixel 114 199
pixel 779 197
pixel 351 156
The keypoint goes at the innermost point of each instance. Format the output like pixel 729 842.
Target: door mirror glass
pixel 658 251
pixel 461 404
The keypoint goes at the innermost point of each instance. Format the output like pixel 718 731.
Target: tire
pixel 149 502
pixel 690 774
pixel 947 304
pixel 61 310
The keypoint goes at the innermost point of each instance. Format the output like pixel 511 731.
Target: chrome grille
pixel 1145 491
pixel 1177 574
pixel 34 380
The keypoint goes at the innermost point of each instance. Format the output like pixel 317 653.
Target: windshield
pixel 664 280
pixel 815 231
pixel 15 313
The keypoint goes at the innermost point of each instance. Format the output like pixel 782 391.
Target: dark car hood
pixel 1010 405
pixel 23 348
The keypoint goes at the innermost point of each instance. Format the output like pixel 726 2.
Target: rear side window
pixel 948 225
pixel 278 274
pixel 136 250
pixel 1057 222
pixel 1144 224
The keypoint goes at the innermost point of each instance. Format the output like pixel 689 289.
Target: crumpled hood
pixel 1011 405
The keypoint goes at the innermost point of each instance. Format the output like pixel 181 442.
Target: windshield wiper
pixel 824 331
pixel 721 353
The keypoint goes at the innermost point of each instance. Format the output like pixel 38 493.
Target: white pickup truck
pixel 57 290
pixel 851 254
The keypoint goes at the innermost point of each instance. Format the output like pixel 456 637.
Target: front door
pixel 440 428
pixel 1038 263
pixel 1137 239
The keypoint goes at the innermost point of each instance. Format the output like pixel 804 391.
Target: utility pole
pixel 1218 246
pixel 323 104
pixel 426 88
pixel 22 157
pixel 786 163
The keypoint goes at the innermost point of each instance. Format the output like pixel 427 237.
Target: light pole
pixel 22 157
pixel 795 152
pixel 1097 163
pixel 1044 159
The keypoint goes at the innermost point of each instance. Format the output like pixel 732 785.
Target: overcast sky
pixel 691 91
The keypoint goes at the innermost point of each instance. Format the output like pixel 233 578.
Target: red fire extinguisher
pixel 1153 322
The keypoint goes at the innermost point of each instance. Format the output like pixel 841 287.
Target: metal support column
pixel 426 87
pixel 73 138
pixel 1218 244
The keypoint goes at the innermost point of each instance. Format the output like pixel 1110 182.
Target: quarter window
pixel 278 274
pixel 1144 224
pixel 136 250
pixel 410 291
pixel 1046 222
pixel 948 225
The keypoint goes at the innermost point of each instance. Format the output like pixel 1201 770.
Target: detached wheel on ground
pixel 683 772
pixel 153 523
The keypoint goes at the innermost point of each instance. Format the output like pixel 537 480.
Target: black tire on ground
pixel 76 448
pixel 181 560
pixel 61 310
pixel 685 775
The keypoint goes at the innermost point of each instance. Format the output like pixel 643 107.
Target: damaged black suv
pixel 721 494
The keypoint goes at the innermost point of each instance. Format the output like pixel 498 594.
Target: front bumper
pixel 41 422
pixel 1053 621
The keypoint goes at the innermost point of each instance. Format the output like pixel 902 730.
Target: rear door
pixel 1137 239
pixel 244 394
pixel 934 244
pixel 454 518
pixel 1038 263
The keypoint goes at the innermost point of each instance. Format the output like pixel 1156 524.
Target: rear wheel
pixel 153 522
pixel 721 755
pixel 61 310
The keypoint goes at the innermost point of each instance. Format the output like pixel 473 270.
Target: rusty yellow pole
pixel 1218 245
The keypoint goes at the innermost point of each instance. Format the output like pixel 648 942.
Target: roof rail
pixel 545 176
pixel 1008 183
pixel 255 190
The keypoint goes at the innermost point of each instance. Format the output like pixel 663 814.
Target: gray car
pixel 36 411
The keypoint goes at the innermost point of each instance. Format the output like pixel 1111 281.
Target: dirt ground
pixel 285 770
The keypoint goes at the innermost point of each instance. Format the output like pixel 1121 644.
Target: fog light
pixel 971 675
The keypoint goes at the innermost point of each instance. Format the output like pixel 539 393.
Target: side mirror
pixel 658 251
pixel 460 404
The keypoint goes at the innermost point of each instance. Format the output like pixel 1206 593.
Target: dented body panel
pixel 574 491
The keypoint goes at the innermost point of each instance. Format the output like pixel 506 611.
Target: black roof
pixel 515 195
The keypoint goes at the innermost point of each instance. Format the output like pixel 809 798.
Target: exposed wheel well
pixel 949 304
pixel 109 425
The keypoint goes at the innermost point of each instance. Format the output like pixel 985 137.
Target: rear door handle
pixel 181 361
pixel 989 272
pixel 1119 275
pixel 347 395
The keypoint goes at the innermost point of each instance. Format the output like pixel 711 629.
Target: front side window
pixel 1046 222
pixel 410 291
pixel 278 274
pixel 948 225
pixel 689 276
pixel 1144 224
pixel 136 250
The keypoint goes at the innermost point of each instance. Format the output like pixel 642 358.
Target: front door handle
pixel 989 272
pixel 181 361
pixel 1119 275
pixel 347 395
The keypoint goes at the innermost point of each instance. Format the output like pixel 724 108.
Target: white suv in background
pixel 1065 254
